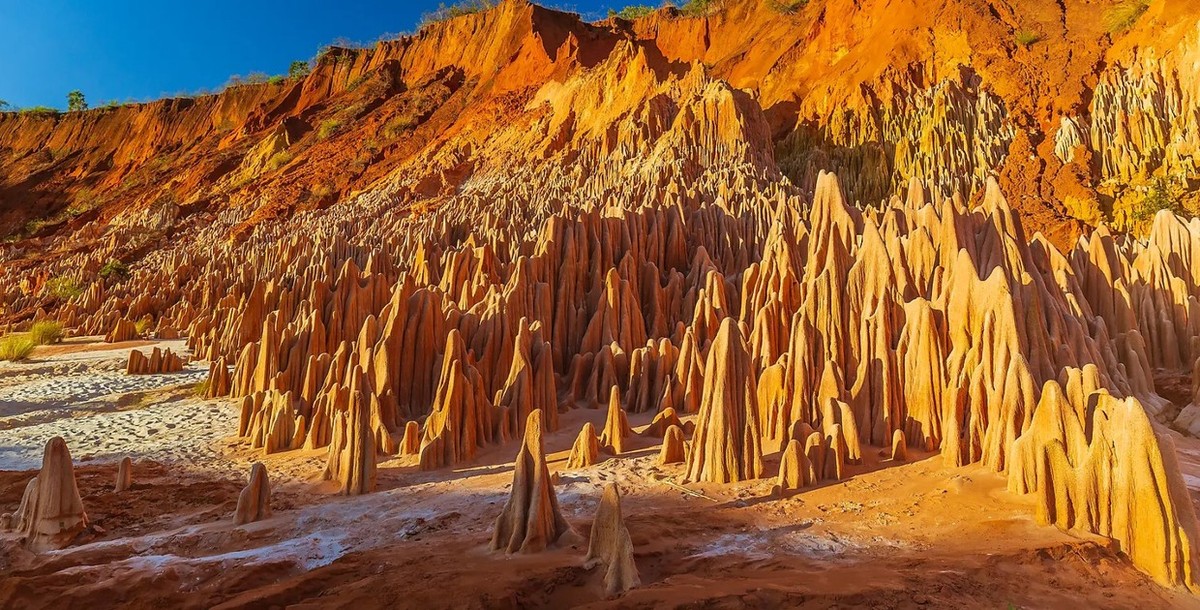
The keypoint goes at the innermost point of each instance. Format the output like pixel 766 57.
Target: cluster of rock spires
pixel 652 257
pixel 159 361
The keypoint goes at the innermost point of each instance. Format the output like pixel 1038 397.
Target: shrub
pixel 5 106
pixel 1027 38
pixel 63 287
pixel 456 9
pixel 1164 194
pixel 700 8
pixel 322 190
pixel 1122 15
pixel 114 268
pixel 298 69
pixel 279 160
pixel 143 326
pixel 629 13
pixel 76 101
pixel 277 79
pixel 16 347
pixel 327 128
pixel 46 332
pixel 787 7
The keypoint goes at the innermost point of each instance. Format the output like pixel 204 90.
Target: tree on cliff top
pixel 76 101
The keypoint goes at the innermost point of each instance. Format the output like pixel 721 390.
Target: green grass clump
pixel 64 288
pixel 1027 38
pixel 279 160
pixel 327 128
pixel 14 348
pixel 1122 15
pixel 46 332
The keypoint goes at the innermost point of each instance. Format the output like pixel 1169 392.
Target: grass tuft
pixel 14 348
pixel 46 332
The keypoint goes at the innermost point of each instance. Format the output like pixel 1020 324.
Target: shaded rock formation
pixel 530 520
pixel 254 503
pixel 610 546
pixel 51 514
pixel 727 446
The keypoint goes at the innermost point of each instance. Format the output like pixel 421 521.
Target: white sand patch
pixel 184 432
pixel 66 390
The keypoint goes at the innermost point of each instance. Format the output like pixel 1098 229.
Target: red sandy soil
pixel 893 536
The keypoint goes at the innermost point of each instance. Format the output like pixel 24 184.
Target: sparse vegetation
pixel 143 326
pixel 76 102
pixel 1027 38
pixel 277 79
pixel 456 9
pixel 399 124
pixel 63 287
pixel 629 13
pixel 700 8
pixel 115 269
pixel 46 332
pixel 201 388
pixel 327 128
pixel 322 190
pixel 1164 194
pixel 1122 15
pixel 299 69
pixel 5 106
pixel 39 111
pixel 787 7
pixel 14 348
pixel 279 160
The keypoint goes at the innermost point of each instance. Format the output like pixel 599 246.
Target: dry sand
pixel 893 536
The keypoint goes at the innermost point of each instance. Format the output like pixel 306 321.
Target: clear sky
pixel 145 49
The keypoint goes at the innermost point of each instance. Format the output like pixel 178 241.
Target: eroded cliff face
pixel 1075 125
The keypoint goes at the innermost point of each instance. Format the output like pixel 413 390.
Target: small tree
pixel 76 102
pixel 5 106
pixel 298 69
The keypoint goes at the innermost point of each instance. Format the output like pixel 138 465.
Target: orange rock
pixel 254 503
pixel 609 545
pixel 530 520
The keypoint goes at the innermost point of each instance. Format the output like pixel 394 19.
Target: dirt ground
pixel 911 535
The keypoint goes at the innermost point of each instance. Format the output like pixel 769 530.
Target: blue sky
pixel 144 49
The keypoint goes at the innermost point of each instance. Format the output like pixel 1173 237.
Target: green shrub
pixel 114 268
pixel 64 288
pixel 1027 38
pixel 1164 194
pixel 143 326
pixel 279 160
pixel 456 9
pixel 629 13
pixel 16 347
pixel 1122 15
pixel 76 101
pixel 277 79
pixel 327 128
pixel 46 332
pixel 298 69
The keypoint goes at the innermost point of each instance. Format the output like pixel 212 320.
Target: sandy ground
pixel 912 535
